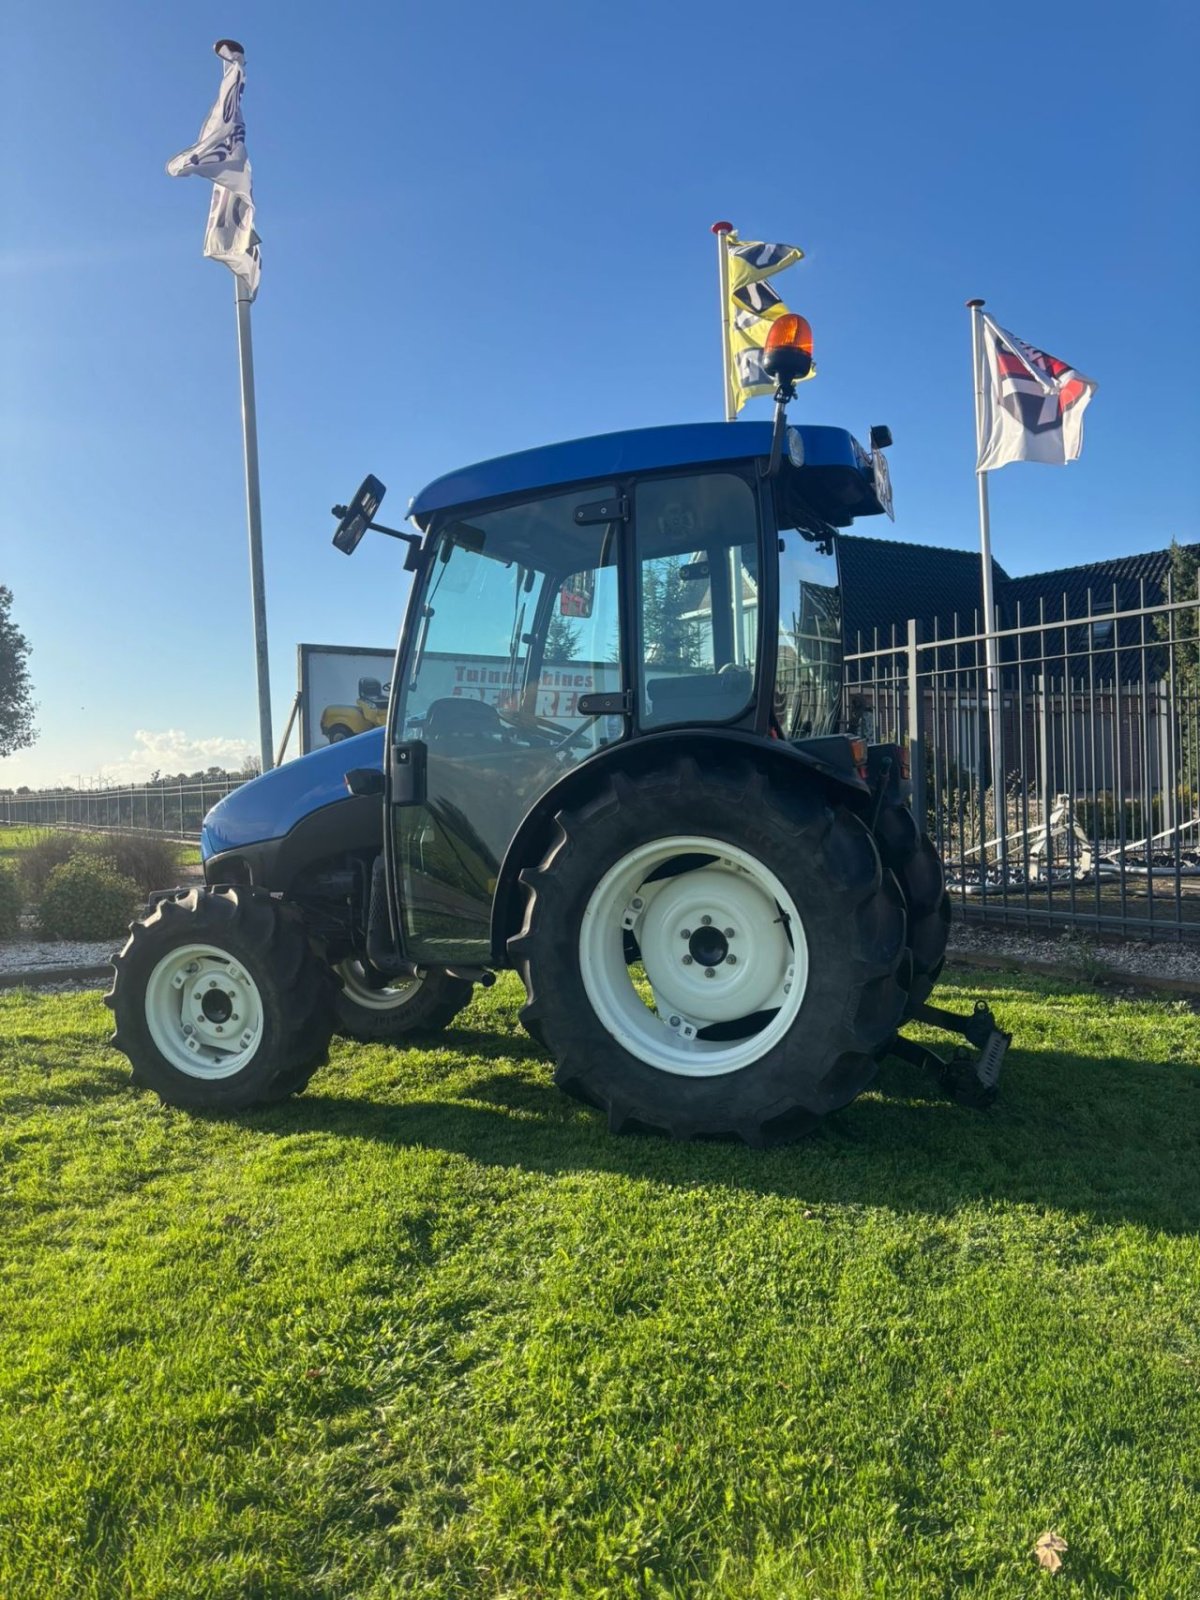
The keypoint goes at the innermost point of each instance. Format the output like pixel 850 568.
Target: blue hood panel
pixel 270 806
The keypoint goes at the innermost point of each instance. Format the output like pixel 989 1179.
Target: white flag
pixel 219 154
pixel 1032 403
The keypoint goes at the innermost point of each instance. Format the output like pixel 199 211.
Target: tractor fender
pixel 708 746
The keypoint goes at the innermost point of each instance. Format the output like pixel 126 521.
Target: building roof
pixel 1088 588
pixel 887 581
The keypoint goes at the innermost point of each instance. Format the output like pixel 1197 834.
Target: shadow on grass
pixel 1113 1140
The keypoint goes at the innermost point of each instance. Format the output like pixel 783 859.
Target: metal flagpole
pixel 991 643
pixel 254 524
pixel 721 229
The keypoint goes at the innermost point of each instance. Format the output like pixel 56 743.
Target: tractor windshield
pixel 519 615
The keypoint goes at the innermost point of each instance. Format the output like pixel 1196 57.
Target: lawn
pixel 431 1331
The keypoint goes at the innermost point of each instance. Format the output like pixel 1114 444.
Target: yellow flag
pixel 753 307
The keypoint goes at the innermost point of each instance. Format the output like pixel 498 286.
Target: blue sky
pixel 487 227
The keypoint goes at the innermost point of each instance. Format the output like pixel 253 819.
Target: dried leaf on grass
pixel 1049 1549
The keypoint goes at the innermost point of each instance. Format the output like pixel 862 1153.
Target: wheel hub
pixel 708 947
pixel 721 947
pixel 697 968
pixel 203 1011
pixel 217 1005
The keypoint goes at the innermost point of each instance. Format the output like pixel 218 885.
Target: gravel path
pixel 1179 962
pixel 29 955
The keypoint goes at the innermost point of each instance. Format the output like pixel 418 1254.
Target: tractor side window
pixel 697 541
pixel 808 668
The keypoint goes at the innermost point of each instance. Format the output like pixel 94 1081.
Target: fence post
pixel 916 727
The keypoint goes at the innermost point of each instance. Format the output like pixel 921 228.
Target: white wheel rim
pixel 390 998
pixel 204 1012
pixel 731 907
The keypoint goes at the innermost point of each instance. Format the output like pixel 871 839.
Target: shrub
pixel 151 862
pixel 86 898
pixel 39 860
pixel 10 902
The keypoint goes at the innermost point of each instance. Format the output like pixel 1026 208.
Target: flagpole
pixel 722 229
pixel 258 598
pixel 991 644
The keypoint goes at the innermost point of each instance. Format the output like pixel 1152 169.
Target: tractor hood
pixel 271 806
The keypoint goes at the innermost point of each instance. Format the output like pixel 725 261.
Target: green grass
pixel 14 841
pixel 430 1331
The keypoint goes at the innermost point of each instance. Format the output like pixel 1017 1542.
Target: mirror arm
pixel 413 539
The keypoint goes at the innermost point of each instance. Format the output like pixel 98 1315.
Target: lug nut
pixel 187 1028
pixel 687 961
pixel 220 1029
pixel 674 1022
pixel 685 933
pixel 729 933
pixel 731 961
pixel 707 921
pixel 197 995
pixel 212 983
pixel 710 972
pixel 636 903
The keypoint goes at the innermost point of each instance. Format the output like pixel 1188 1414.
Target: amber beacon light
pixel 787 355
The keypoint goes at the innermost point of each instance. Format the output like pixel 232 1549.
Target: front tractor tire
pixel 376 1009
pixel 220 1001
pixel 706 953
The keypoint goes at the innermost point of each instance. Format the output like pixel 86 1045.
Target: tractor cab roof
pixel 825 471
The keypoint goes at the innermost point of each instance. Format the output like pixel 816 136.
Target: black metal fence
pixel 174 810
pixel 1093 723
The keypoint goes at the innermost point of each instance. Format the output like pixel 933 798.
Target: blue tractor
pixel 614 762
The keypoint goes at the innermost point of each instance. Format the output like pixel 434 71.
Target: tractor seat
pixel 468 721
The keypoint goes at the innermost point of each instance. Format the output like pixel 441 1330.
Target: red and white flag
pixel 1032 404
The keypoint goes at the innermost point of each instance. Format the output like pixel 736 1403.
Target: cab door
pixel 516 621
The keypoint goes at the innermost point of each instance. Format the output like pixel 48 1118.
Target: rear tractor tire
pixel 376 1009
pixel 769 947
pixel 220 1001
pixel 912 856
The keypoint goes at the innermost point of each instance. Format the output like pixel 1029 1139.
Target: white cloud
pixel 172 750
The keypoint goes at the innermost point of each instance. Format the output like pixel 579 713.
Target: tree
pixel 562 640
pixel 16 691
pixel 670 637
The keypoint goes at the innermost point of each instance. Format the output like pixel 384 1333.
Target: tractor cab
pixel 595 594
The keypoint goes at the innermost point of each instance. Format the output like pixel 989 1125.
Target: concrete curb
pixel 37 976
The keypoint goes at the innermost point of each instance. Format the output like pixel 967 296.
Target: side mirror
pixel 881 436
pixel 357 517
